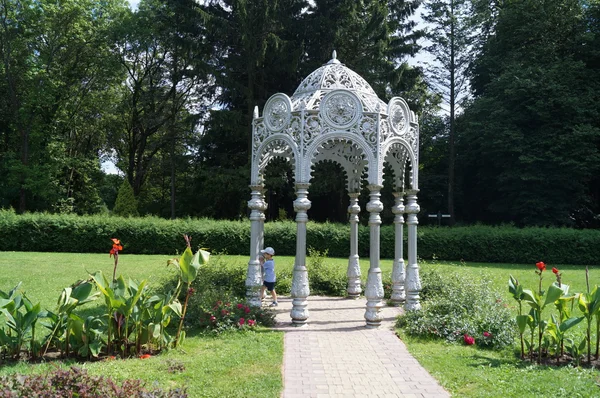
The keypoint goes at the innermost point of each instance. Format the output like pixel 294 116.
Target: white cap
pixel 268 250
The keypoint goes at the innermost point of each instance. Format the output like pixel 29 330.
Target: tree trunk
pixel 451 149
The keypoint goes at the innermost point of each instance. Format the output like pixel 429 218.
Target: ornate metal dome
pixel 334 76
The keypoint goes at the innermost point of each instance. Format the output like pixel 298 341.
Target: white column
pixel 261 234
pixel 413 282
pixel 398 294
pixel 253 276
pixel 300 289
pixel 353 274
pixel 374 289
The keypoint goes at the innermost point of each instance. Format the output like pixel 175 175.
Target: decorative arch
pixel 349 160
pixel 276 146
pixel 397 152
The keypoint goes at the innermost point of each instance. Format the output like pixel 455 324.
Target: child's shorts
pixel 269 285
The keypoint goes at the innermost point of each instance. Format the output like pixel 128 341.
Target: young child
pixel 269 274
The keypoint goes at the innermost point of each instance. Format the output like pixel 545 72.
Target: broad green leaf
pixel 82 291
pixel 583 304
pixel 176 308
pixel 552 294
pixel 522 322
pixel 95 348
pixel 31 316
pixel 532 298
pixel 201 257
pixel 188 269
pixel 569 323
pixel 4 303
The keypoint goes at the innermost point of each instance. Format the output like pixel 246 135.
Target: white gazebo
pixel 335 115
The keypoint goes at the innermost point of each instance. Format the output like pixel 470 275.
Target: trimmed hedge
pixel 151 235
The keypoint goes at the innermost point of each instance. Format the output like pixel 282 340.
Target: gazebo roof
pixel 334 76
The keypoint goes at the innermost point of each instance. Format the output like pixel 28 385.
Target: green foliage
pixel 76 382
pixel 148 235
pixel 229 313
pixel 325 279
pixel 533 124
pixel 454 305
pixel 126 204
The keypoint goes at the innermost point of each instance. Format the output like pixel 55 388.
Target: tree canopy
pixel 166 92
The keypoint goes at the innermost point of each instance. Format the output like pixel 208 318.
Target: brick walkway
pixel 336 356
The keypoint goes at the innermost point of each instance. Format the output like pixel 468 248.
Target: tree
pixel 531 140
pixel 256 47
pixel 450 36
pixel 126 204
pixel 56 74
pixel 167 85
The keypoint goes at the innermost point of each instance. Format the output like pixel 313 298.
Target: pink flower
pixel 468 339
pixel 240 305
pixel 242 320
pixel 212 319
pixel 224 312
pixel 251 322
pixel 247 310
pixel 487 334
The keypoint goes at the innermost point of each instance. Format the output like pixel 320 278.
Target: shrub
pixel 454 305
pixel 323 278
pixel 75 382
pixel 153 235
pixel 126 204
pixel 232 313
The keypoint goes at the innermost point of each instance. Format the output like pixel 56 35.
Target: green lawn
pixel 231 365
pixel 249 364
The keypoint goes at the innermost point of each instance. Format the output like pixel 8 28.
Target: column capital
pixel 374 187
pixel 398 207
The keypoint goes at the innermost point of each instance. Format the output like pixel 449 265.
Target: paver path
pixel 336 356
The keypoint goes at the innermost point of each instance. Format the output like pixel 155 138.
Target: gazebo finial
pixel 334 59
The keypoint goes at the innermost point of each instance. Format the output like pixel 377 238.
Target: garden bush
pixel 152 235
pixel 454 306
pixel 76 382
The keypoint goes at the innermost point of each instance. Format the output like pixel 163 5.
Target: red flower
pixel 468 339
pixel 247 310
pixel 212 319
pixel 541 266
pixel 116 247
pixel 555 270
pixel 487 334
pixel 240 305
pixel 242 320
pixel 251 322
pixel 145 356
pixel 191 291
pixel 224 312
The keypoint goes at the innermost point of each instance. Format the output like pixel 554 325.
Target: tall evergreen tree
pixel 451 33
pixel 532 132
